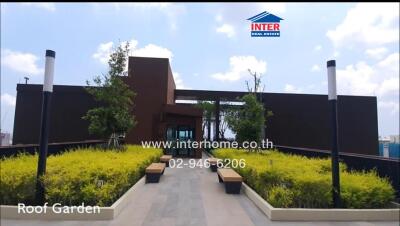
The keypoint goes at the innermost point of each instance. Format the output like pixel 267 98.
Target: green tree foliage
pixel 114 116
pixel 247 121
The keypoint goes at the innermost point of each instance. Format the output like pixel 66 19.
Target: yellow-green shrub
pixel 280 196
pixel 286 180
pixel 92 176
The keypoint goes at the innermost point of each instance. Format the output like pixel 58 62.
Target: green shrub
pixel 295 181
pixel 280 196
pixel 92 176
pixel 365 190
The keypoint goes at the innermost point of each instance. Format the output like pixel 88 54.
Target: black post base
pixel 335 155
pixel 43 146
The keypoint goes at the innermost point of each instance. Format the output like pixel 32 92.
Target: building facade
pixel 300 120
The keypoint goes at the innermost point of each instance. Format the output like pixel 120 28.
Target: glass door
pixel 171 137
pixel 180 134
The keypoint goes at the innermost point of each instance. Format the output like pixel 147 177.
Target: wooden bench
pixel 154 172
pixel 213 164
pixel 165 159
pixel 231 179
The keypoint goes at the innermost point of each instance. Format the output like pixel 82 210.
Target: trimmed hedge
pixel 295 181
pixel 93 176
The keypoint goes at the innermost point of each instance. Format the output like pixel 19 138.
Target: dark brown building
pixel 155 110
pixel 300 120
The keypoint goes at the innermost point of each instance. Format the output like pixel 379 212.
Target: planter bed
pixel 310 214
pixel 288 187
pixel 103 178
pixel 105 213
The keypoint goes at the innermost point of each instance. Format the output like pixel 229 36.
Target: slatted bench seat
pixel 154 172
pixel 213 164
pixel 231 179
pixel 165 159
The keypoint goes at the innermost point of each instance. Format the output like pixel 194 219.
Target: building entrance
pixel 180 134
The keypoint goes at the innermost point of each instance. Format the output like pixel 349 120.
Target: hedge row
pixel 294 181
pixel 93 176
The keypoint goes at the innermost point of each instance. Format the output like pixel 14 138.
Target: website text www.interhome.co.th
pixel 264 144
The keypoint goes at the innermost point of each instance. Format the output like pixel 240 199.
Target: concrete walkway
pixel 189 197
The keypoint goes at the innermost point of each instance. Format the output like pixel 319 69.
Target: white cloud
pixel 230 17
pixel 391 62
pixel 239 66
pixel 151 50
pixel 380 79
pixel 25 63
pixel 274 8
pixel 315 68
pixel 376 53
pixel 336 54
pixel 179 82
pixel 226 29
pixel 43 5
pixel 103 52
pixel 236 12
pixel 218 18
pixel 8 99
pixel 170 10
pixel 292 89
pixel 356 80
pixel 392 106
pixel 317 48
pixel 388 86
pixel 161 5
pixel 368 23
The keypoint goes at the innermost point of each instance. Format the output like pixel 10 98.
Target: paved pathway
pixel 189 197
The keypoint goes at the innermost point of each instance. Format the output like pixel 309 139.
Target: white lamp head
pixel 49 71
pixel 331 65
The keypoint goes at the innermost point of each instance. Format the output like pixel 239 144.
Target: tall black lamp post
pixel 44 126
pixel 332 98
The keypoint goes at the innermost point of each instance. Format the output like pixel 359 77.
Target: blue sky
pixel 210 47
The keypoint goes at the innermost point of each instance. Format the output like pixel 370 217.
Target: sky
pixel 210 47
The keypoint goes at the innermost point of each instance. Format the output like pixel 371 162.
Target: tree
pixel 223 126
pixel 114 117
pixel 208 111
pixel 257 83
pixel 257 91
pixel 248 120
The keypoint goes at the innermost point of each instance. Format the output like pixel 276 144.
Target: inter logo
pixel 265 25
